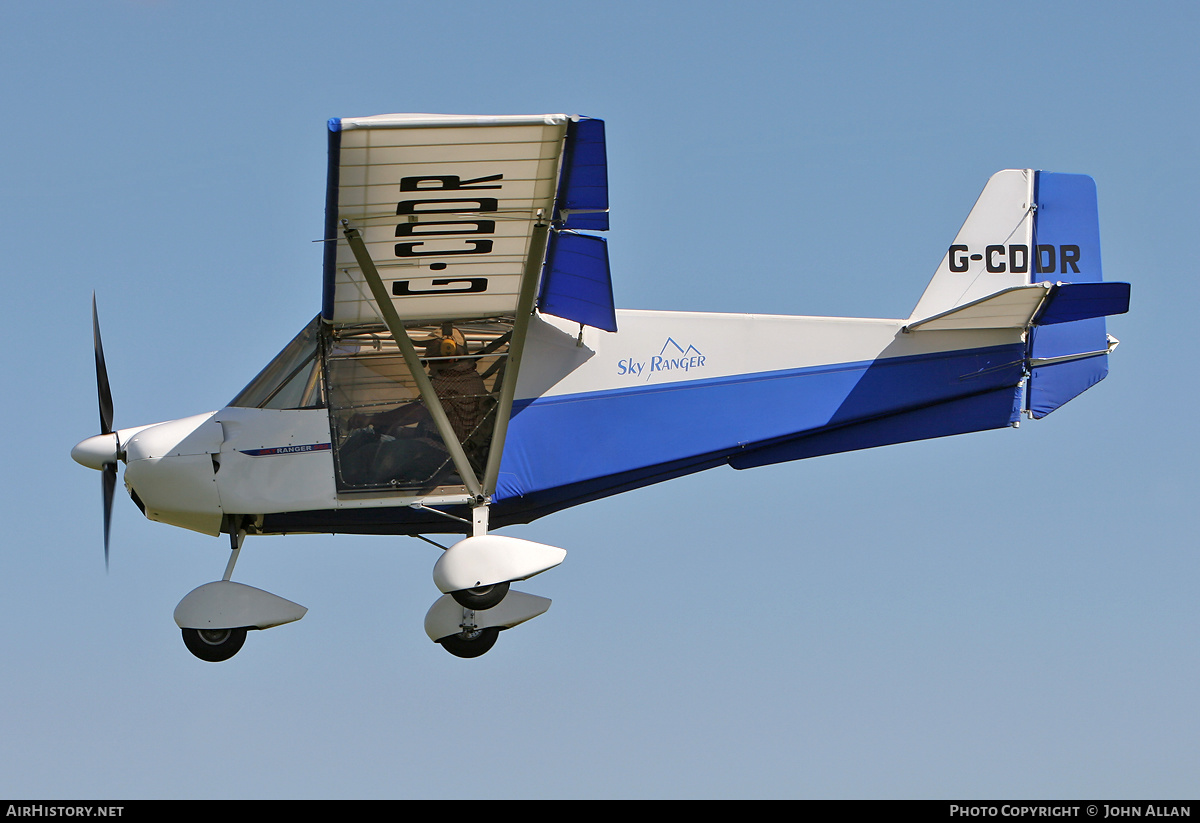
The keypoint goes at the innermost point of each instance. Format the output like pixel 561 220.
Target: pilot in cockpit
pixel 402 445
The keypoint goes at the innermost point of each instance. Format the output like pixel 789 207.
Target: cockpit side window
pixel 384 438
pixel 292 380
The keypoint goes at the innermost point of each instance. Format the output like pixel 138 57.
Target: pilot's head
pixel 451 343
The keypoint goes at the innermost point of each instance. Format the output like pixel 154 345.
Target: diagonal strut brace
pixel 433 403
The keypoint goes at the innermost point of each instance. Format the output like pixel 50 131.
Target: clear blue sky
pixel 1007 614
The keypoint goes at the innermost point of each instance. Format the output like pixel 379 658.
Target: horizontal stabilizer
pixel 1011 308
pixel 1039 304
pixel 1079 301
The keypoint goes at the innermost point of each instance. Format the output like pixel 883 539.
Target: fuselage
pixel 598 413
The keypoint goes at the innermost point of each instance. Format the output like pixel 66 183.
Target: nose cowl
pixel 97 450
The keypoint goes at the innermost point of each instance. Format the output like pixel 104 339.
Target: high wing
pixel 449 207
pixel 453 228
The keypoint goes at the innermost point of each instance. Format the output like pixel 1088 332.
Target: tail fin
pixel 991 250
pixel 1020 261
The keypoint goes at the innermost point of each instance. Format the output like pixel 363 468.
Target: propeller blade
pixel 102 389
pixel 108 479
pixel 108 475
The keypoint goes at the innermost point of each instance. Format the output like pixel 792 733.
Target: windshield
pixel 292 380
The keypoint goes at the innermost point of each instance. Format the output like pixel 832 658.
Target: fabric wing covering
pixel 447 206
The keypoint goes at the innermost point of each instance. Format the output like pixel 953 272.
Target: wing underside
pixel 448 205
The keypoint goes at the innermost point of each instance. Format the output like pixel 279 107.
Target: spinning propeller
pixel 103 450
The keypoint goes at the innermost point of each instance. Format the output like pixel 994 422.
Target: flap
pixel 577 284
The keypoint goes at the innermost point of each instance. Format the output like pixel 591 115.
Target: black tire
pixel 472 644
pixel 214 645
pixel 481 598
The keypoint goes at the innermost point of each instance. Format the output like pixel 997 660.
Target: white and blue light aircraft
pixel 468 369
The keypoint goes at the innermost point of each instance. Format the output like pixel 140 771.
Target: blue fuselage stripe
pixel 558 441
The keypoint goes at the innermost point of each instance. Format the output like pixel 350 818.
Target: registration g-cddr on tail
pixel 468 369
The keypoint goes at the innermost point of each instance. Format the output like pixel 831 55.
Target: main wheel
pixel 481 598
pixel 471 644
pixel 214 645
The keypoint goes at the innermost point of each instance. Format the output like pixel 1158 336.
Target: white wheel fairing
pixel 445 616
pixel 228 605
pixel 489 559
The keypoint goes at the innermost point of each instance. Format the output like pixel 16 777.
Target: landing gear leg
pixel 480 598
pixel 472 641
pixel 236 536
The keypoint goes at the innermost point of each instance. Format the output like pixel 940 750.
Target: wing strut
pixel 433 403
pixel 516 347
